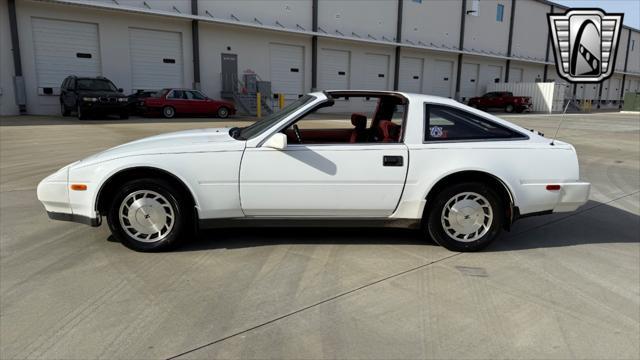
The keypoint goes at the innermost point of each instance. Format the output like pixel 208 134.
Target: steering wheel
pixel 296 130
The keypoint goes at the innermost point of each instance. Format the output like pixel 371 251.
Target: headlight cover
pixel 122 99
pixel 89 99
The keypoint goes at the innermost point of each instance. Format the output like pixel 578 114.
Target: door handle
pixel 392 160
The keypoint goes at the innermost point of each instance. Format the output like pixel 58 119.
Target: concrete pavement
pixel 558 286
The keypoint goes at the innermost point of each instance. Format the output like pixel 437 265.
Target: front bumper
pixel 74 218
pixel 53 193
pixel 105 108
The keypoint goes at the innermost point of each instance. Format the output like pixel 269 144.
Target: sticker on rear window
pixel 435 131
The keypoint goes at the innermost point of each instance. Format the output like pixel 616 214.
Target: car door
pixel 178 100
pixel 197 102
pixel 332 179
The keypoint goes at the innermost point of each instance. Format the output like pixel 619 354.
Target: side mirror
pixel 277 141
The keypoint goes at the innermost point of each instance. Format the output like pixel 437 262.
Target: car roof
pixel 412 97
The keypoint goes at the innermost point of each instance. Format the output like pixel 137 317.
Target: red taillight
pixel 553 187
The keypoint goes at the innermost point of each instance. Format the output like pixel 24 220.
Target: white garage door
pixel 493 75
pixel 410 78
pixel 376 72
pixel 64 48
pixel 469 81
pixel 333 69
pixel 515 75
pixel 156 59
pixel 442 78
pixel 591 91
pixel 287 71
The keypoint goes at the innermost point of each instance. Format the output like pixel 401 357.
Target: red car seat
pixel 389 132
pixel 359 133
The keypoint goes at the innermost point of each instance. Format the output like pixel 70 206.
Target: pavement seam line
pixel 382 280
pixel 335 297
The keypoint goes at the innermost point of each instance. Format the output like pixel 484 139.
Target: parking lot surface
pixel 557 286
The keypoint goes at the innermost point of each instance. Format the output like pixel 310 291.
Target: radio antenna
pixel 560 123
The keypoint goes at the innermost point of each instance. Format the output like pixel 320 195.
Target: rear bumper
pixel 535 198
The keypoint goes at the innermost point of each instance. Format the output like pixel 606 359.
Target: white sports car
pixel 352 158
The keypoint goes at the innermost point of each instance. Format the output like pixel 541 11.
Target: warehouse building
pixel 449 48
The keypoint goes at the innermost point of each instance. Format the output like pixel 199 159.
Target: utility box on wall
pixel 631 101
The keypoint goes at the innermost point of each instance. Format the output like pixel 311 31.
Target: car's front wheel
pixel 466 217
pixel 81 114
pixel 63 110
pixel 148 215
pixel 168 112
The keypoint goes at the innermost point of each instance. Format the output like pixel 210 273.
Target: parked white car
pixel 407 160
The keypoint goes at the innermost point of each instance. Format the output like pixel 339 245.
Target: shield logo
pixel 585 43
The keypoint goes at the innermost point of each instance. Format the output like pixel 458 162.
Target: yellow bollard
pixel 281 101
pixel 258 105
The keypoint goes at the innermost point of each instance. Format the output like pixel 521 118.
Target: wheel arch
pixel 118 178
pixel 501 186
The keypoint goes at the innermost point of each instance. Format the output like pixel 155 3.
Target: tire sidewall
pixel 434 222
pixel 172 113
pixel 223 112
pixel 509 108
pixel 164 189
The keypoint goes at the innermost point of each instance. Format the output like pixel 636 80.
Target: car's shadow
pixel 595 223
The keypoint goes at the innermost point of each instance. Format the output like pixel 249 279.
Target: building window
pixel 633 44
pixel 500 13
pixel 417 1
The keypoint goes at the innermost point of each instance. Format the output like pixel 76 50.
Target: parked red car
pixel 173 102
pixel 501 100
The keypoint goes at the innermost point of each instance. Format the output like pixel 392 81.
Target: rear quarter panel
pixel 523 166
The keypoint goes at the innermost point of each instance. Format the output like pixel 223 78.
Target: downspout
pixel 461 48
pixel 396 72
pixel 195 36
pixel 510 43
pixel 18 79
pixel 314 46
pixel 624 76
pixel 546 56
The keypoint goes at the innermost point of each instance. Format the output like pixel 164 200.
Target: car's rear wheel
pixel 148 215
pixel 223 112
pixel 63 110
pixel 168 112
pixel 466 217
pixel 508 108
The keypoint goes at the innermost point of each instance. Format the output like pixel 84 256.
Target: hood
pixel 198 140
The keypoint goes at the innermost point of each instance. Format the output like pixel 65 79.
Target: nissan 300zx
pixel 334 158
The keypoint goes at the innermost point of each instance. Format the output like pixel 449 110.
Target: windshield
pixel 95 85
pixel 259 126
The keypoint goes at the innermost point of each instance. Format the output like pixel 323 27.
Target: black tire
pixel 81 114
pixel 168 112
pixel 177 229
pixel 508 108
pixel 124 116
pixel 520 110
pixel 223 112
pixel 436 219
pixel 63 110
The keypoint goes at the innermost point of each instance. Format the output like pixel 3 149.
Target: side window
pixel 176 94
pixel 444 123
pixel 194 95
